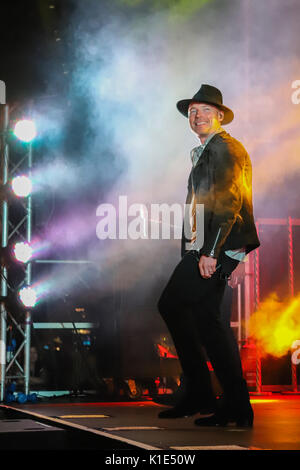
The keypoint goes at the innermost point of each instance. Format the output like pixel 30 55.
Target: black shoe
pixel 179 411
pixel 245 418
pixel 242 412
pixel 222 418
pixel 189 407
pixel 216 419
pixel 245 422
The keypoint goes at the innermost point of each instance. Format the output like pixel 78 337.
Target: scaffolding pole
pixel 28 277
pixel 257 303
pixel 4 156
pixel 292 292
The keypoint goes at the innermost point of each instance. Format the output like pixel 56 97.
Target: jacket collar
pixel 196 152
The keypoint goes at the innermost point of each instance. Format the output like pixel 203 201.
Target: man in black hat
pixel 221 182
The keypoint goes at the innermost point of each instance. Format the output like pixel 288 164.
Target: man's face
pixel 204 119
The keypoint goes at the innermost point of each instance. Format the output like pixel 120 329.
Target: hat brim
pixel 183 108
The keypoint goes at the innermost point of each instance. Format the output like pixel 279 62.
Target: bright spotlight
pixel 23 252
pixel 28 296
pixel 25 130
pixel 22 186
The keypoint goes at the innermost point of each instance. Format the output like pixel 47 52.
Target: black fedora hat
pixel 210 95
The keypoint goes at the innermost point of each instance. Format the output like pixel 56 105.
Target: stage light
pixel 22 252
pixel 22 186
pixel 25 130
pixel 28 296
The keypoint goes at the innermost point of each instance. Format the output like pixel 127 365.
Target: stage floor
pixel 135 424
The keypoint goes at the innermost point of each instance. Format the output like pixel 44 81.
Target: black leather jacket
pixel 222 181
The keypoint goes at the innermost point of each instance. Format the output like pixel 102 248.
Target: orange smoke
pixel 276 325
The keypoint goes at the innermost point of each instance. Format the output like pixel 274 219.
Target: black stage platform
pixel 134 426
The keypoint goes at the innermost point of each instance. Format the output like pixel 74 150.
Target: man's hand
pixel 207 266
pixel 237 276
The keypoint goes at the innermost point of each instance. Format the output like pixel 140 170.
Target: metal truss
pixel 14 364
pixel 289 223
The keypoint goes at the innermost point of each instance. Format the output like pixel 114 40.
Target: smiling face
pixel 204 119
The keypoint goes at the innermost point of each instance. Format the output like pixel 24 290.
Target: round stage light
pixel 28 296
pixel 25 130
pixel 22 186
pixel 23 252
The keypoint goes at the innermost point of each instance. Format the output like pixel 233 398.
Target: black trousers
pixel 190 306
